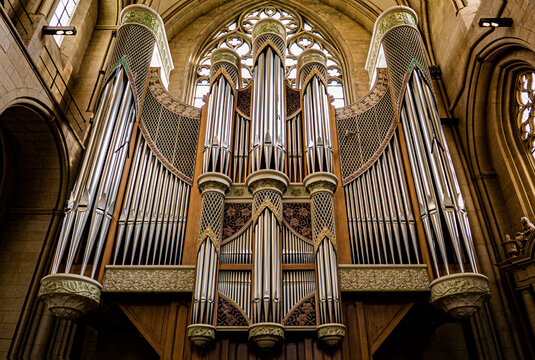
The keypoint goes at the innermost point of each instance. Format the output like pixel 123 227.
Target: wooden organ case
pixel 267 223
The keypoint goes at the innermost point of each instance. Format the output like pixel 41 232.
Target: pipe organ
pixel 214 183
pixel 321 183
pixel 265 190
pixel 268 103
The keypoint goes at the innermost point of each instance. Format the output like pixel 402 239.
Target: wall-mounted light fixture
pixel 495 22
pixel 59 30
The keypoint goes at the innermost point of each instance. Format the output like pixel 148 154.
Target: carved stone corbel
pixel 460 295
pixel 69 296
pixel 266 335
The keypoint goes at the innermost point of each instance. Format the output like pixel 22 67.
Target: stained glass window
pixel 525 97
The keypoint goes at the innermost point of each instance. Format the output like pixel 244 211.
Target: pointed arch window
pixel 62 16
pixel 301 35
pixel 525 98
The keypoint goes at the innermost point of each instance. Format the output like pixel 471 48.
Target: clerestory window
pixel 301 35
pixel 63 15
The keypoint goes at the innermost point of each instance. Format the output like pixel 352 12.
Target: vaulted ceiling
pixel 178 14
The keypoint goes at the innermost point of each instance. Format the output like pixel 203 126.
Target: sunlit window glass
pixel 63 15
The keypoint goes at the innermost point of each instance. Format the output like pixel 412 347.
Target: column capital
pixel 267 180
pixel 320 181
pixel 214 182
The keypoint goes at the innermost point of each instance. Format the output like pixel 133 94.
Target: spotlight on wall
pixel 495 22
pixel 59 30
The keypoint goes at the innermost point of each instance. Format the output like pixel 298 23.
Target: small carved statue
pixel 516 246
pixel 527 230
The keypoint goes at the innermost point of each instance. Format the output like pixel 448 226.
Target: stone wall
pixel 39 152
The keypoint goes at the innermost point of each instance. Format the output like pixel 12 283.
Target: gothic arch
pixel 495 149
pixel 498 166
pixel 33 190
pixel 365 12
pixel 330 34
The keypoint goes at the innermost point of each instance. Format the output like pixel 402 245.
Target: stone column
pixel 529 302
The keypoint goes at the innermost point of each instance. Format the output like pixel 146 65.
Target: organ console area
pixel 268 217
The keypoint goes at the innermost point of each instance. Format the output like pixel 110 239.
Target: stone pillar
pixel 529 302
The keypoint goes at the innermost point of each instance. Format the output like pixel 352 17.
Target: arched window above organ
pixel 301 35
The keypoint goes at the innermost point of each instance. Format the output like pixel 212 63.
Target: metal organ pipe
pixel 224 81
pixel 150 188
pixel 321 183
pixel 437 190
pixel 268 105
pixel 267 181
pixel 213 183
pixel 93 197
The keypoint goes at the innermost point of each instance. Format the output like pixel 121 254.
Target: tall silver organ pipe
pixel 268 104
pixel 225 78
pixel 152 219
pixel 267 181
pixel 389 194
pixel 440 201
pixel 438 191
pixel 294 148
pixel 92 200
pixel 214 183
pixel 441 206
pixel 240 166
pixel 318 143
pixel 321 183
pixel 266 263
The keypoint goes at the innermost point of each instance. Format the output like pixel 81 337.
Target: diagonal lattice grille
pixel 136 44
pixel 402 45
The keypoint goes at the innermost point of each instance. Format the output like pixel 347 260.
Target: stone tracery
pixel 301 35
